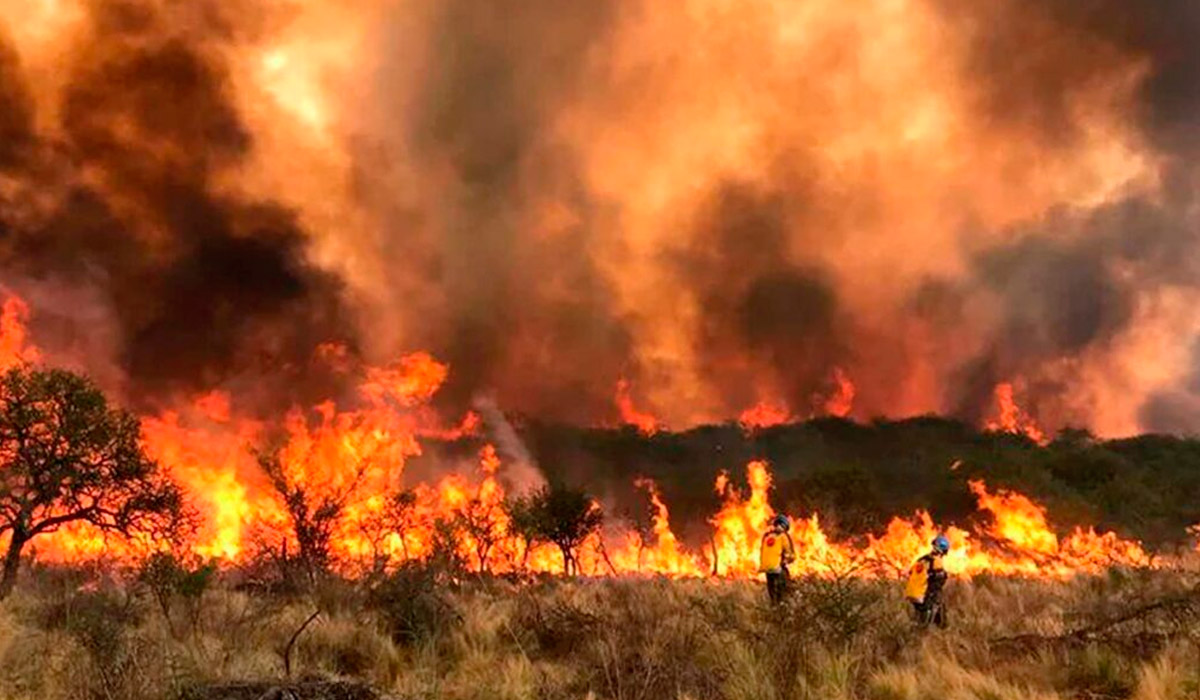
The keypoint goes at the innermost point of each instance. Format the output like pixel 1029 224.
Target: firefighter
pixel 925 582
pixel 776 553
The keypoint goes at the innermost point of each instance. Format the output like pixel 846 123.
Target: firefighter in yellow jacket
pixel 776 553
pixel 926 579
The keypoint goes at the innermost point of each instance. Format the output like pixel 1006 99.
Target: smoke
pixel 203 283
pixel 720 204
pixel 520 468
pixel 770 326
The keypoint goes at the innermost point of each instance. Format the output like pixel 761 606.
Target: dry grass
pixel 621 639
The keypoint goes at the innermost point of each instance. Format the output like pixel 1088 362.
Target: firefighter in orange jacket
pixel 777 551
pixel 926 579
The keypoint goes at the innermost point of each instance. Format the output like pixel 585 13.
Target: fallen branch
pixel 1182 611
pixel 287 651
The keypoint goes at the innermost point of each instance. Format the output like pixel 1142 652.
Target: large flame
pixel 741 522
pixel 658 551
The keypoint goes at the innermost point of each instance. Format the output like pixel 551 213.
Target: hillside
pixel 857 476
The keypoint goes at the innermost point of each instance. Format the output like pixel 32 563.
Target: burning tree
pixel 484 523
pixel 331 478
pixel 313 514
pixel 67 457
pixel 559 515
pixel 392 517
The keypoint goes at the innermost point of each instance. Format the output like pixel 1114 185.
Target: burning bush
pixel 559 515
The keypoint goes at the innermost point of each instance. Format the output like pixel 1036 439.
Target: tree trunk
pixel 716 570
pixel 12 562
pixel 566 552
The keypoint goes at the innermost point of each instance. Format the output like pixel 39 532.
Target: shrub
pixel 100 622
pixel 169 580
pixel 413 605
pixel 1098 672
pixel 346 647
pixel 641 643
pixel 558 628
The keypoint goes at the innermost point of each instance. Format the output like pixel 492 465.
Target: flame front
pixel 356 458
pixel 662 553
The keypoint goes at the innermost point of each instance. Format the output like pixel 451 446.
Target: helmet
pixel 781 521
pixel 940 544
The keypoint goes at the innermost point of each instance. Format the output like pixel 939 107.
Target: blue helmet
pixel 941 545
pixel 781 521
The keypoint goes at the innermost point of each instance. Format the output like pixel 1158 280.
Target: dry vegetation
pixel 76 634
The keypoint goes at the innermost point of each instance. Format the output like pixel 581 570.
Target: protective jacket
pixel 776 552
pixel 925 578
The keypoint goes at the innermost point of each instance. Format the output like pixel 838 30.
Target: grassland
pixel 81 634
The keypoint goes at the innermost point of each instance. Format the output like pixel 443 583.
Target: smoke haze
pixel 722 203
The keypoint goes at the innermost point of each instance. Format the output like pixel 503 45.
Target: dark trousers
pixel 929 611
pixel 777 586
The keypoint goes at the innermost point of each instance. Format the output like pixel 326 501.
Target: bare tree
pixel 394 518
pixel 66 457
pixel 481 521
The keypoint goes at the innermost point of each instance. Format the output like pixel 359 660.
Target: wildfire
pixel 630 415
pixel 841 401
pixel 412 381
pixel 837 401
pixel 1029 546
pixel 663 553
pixel 764 414
pixel 1010 418
pixel 14 347
pixel 209 459
pixel 740 522
pixel 350 462
pixel 1018 540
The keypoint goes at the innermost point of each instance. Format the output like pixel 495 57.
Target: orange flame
pixel 14 336
pixel 841 401
pixel 764 414
pixel 630 415
pixel 412 381
pixel 664 554
pixel 1010 418
pixel 740 522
